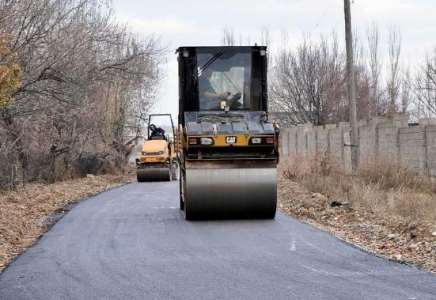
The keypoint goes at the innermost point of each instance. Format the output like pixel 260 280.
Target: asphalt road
pixel 132 243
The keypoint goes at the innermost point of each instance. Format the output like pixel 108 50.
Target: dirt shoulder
pixel 25 214
pixel 388 236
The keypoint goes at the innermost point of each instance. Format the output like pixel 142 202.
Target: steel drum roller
pixel 231 193
pixel 153 174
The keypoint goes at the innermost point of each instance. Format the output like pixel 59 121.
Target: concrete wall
pixel 431 148
pixel 368 141
pixel 412 146
pixel 386 139
pixel 336 141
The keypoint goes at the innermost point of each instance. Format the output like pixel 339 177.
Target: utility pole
pixel 351 87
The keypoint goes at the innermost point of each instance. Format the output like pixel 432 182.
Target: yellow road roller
pixel 157 160
pixel 227 149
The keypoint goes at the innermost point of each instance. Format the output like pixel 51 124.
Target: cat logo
pixel 231 139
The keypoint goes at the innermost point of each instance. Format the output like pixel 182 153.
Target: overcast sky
pixel 200 22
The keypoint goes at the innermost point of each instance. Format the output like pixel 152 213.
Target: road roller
pixel 226 147
pixel 157 161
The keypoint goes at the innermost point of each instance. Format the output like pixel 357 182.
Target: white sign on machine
pixel 231 139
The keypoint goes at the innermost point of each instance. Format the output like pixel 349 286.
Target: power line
pixel 324 14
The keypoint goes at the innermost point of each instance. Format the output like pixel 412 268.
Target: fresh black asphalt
pixel 133 243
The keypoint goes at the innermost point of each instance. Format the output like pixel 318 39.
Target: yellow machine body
pixel 154 152
pixel 155 163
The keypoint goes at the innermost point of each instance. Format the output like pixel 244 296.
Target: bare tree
pixel 394 80
pixel 374 66
pixel 362 75
pixel 266 40
pixel 228 37
pixel 308 83
pixel 406 90
pixel 86 81
pixel 425 86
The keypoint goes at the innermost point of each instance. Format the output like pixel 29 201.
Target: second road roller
pixel 227 147
pixel 157 161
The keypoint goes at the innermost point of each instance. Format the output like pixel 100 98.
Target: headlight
pixel 257 140
pixel 161 152
pixel 262 140
pixel 206 141
pixel 143 153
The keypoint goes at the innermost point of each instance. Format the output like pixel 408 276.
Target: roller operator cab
pixel 228 149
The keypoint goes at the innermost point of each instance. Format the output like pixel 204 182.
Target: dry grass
pixel 387 209
pixel 376 187
pixel 24 212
